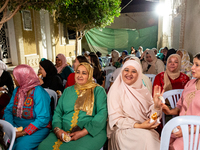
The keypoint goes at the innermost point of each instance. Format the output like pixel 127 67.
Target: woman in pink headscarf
pixel 130 106
pixel 29 108
pixel 62 67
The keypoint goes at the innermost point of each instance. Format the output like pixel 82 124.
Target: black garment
pixel 6 79
pixel 52 79
pixel 101 78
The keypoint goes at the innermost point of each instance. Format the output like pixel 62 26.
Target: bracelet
pixel 56 129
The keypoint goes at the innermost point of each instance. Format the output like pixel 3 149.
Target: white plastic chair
pixel 173 96
pixel 109 69
pixel 53 94
pixel 151 77
pixel 184 122
pixel 10 133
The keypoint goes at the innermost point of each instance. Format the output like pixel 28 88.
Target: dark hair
pixel 166 48
pixel 82 58
pixel 98 54
pixel 97 74
pixel 2 143
pixel 197 56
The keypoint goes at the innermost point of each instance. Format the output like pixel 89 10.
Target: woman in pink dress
pixel 188 104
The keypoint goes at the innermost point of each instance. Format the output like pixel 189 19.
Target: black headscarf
pixel 49 67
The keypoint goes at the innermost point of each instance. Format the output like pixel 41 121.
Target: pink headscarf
pixel 136 94
pixel 27 79
pixel 64 62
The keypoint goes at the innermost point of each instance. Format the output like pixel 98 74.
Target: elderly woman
pixel 172 78
pixel 50 79
pixel 152 65
pixel 62 67
pixel 186 65
pixel 29 108
pixel 130 106
pixel 81 112
pixel 188 104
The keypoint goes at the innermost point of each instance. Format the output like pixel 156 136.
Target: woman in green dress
pixel 81 112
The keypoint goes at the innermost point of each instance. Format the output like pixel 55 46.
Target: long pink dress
pixel 189 105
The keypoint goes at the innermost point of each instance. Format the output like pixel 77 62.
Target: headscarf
pixel 160 55
pixel 85 100
pixel 49 67
pixel 170 52
pixel 134 93
pixel 152 69
pixel 64 62
pixel 27 79
pixel 125 51
pixel 115 55
pixel 172 75
pixel 186 65
pixel 2 67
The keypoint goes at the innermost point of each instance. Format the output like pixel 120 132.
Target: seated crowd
pixel 85 116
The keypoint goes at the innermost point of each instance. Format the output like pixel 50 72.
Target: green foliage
pixel 81 15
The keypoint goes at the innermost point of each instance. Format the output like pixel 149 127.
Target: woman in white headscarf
pixel 130 105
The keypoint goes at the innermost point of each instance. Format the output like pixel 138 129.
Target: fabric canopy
pixel 106 39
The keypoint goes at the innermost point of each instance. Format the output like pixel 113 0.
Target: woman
pixel 62 67
pixel 134 52
pixel 29 108
pixel 85 115
pixel 71 78
pixel 115 56
pixel 130 106
pixel 185 62
pixel 160 54
pixel 51 79
pixel 124 54
pixel 152 65
pixel 98 74
pixel 172 78
pixel 188 104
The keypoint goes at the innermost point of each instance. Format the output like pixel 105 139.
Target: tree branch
pixel 4 6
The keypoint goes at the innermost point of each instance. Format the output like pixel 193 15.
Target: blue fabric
pixel 41 114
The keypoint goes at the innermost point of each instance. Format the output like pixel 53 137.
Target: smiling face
pixel 148 58
pixel 196 68
pixel 129 75
pixel 172 64
pixel 42 71
pixel 81 75
pixel 58 62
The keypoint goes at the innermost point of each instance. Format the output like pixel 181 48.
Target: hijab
pixel 27 79
pixel 49 68
pixel 150 67
pixel 85 100
pixel 160 55
pixel 64 62
pixel 115 55
pixel 137 95
pixel 2 67
pixel 172 75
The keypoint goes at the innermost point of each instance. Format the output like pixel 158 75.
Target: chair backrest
pixel 109 69
pixel 53 94
pixel 10 133
pixel 185 122
pixel 173 96
pixel 151 77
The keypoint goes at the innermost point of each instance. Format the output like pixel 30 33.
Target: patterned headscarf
pixel 85 100
pixel 64 62
pixel 27 79
pixel 2 67
pixel 115 55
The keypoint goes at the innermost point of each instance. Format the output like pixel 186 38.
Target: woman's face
pixel 179 53
pixel 129 75
pixel 165 52
pixel 196 68
pixel 123 54
pixel 148 58
pixel 172 64
pixel 58 62
pixel 42 71
pixel 132 50
pixel 81 75
pixel 76 63
pixel 16 83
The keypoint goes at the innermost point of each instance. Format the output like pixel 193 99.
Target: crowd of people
pixel 87 114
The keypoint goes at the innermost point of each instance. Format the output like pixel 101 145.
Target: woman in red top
pixel 71 77
pixel 172 78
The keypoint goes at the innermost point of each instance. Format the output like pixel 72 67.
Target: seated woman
pixel 114 58
pixel 29 108
pixel 84 115
pixel 71 78
pixel 188 104
pixel 186 65
pixel 172 78
pixel 130 106
pixel 124 54
pixel 62 67
pixel 50 79
pixel 152 65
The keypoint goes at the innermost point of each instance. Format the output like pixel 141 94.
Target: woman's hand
pixel 147 125
pixel 179 133
pixel 59 134
pixel 166 109
pixel 20 133
pixel 78 134
pixel 157 101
